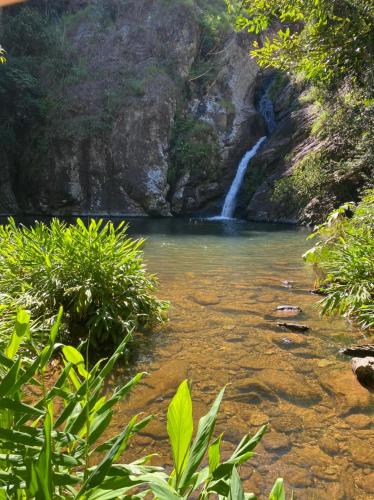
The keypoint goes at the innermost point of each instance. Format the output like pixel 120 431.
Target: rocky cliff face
pixel 147 121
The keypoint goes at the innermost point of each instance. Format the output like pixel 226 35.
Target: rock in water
pixel 294 309
pixel 363 368
pixel 287 284
pixel 359 351
pixel 293 327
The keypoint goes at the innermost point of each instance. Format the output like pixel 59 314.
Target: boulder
pixel 363 368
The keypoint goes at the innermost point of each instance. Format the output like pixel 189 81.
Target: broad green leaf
pixel 180 426
pixel 20 330
pixel 236 487
pixel 74 357
pixel 201 441
pixel 278 492
pixel 214 454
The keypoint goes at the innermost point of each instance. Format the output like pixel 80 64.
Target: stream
pixel 224 280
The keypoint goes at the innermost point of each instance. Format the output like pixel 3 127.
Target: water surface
pixel 224 280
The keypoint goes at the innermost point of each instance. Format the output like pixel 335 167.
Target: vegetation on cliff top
pixel 95 272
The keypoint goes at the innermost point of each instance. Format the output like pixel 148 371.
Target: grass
pixel 51 450
pixel 343 261
pixel 95 272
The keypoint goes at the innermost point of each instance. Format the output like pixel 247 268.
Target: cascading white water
pixel 230 200
pixel 267 111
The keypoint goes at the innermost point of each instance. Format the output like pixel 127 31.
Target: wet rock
pixel 359 351
pixel 290 343
pixel 295 309
pixel 287 284
pixel 293 327
pixel 350 397
pixel 329 445
pixel 276 443
pixel 366 483
pixel 360 421
pixel 205 299
pixel 258 418
pixel 287 424
pixel 363 368
pixel 362 452
pixel 325 473
pixel 291 386
pixel 286 311
pixel 249 387
pixel 300 478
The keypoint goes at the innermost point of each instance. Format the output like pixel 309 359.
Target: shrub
pixel 47 449
pixel 343 260
pixel 95 272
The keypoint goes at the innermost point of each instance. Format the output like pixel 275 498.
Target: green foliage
pixel 48 449
pixel 96 273
pixel 194 149
pixel 343 260
pixel 344 161
pixel 324 40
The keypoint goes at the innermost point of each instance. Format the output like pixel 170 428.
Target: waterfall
pixel 267 111
pixel 230 200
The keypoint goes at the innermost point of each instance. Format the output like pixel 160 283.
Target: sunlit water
pixel 224 279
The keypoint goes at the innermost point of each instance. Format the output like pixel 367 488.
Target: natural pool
pixel 224 281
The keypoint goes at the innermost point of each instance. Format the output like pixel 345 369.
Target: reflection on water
pixel 224 281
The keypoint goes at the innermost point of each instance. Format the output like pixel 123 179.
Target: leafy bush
pixel 96 273
pixel 48 448
pixel 343 260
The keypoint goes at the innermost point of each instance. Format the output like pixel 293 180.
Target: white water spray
pixel 230 200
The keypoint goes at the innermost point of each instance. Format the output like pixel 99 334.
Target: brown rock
pixel 366 482
pixel 342 384
pixel 362 452
pixel 300 478
pixel 276 443
pixel 360 421
pixel 329 445
pixel 287 424
pixel 291 386
pixel 363 368
pixel 293 327
pixel 205 299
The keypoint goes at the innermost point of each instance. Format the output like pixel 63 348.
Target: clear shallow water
pixel 223 279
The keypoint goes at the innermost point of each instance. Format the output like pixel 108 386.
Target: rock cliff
pixel 151 113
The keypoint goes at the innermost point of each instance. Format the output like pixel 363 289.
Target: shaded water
pixel 224 281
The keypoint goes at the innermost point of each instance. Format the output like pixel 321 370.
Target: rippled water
pixel 224 281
